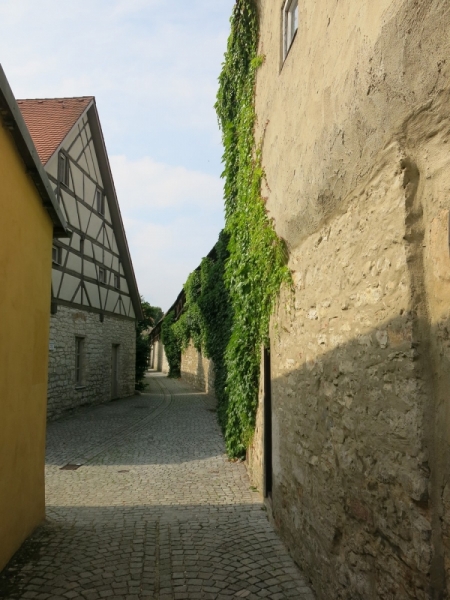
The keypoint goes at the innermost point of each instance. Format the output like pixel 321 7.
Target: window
pixel 290 24
pixel 117 281
pixel 100 201
pixel 102 275
pixel 57 255
pixel 63 169
pixel 79 360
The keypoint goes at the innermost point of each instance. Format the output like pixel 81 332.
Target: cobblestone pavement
pixel 154 512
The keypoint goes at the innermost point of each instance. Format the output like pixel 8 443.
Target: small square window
pixel 290 24
pixel 79 360
pixel 117 281
pixel 57 255
pixel 63 169
pixel 100 201
pixel 102 275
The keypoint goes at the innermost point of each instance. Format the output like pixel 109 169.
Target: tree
pixel 152 314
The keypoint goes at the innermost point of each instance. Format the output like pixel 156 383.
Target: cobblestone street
pixel 142 503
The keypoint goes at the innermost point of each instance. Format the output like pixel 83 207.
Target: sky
pixel 152 66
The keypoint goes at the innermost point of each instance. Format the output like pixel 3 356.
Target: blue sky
pixel 152 66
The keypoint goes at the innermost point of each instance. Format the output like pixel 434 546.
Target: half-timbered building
pixel 95 299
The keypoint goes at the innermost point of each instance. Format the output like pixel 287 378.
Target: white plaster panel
pixel 75 241
pixel 124 285
pixel 68 287
pixel 92 291
pixel 88 250
pixel 83 164
pixel 89 192
pixel 110 234
pixel 90 270
pixel 78 177
pixel 77 298
pixel 56 280
pixel 76 149
pixel 84 216
pixel 103 293
pixel 52 166
pixel 71 209
pixel 94 228
pixel 74 262
pixel 108 259
pixel 98 252
pixel 112 300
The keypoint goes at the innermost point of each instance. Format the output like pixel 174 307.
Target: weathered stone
pixel 100 337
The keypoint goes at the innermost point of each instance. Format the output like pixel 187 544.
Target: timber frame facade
pixel 95 299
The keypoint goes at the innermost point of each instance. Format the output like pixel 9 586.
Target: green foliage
pixel 190 324
pixel 172 345
pixel 217 319
pixel 256 267
pixel 230 298
pixel 152 314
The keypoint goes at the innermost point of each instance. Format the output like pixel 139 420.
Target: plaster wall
pixel 25 276
pixel 355 128
pixel 197 370
pixel 99 338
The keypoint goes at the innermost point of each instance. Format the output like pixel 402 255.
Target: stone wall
pixel 159 358
pixel 356 126
pixel 197 370
pixel 96 387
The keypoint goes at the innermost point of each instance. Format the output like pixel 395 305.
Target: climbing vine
pixel 256 267
pixel 230 298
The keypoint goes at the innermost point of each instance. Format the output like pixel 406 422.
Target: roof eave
pixel 13 120
pixel 116 217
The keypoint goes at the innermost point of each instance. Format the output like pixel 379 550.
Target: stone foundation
pixel 99 338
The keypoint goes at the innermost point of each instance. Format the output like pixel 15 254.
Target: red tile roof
pixel 49 121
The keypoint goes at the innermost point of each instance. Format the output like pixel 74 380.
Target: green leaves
pixel 230 298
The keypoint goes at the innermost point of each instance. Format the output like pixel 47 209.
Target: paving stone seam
pixel 126 431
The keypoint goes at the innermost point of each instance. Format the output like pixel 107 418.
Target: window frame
pixel 100 201
pixel 290 25
pixel 117 281
pixel 63 169
pixel 79 360
pixel 102 275
pixel 58 259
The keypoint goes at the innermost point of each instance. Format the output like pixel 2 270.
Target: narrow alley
pixel 142 503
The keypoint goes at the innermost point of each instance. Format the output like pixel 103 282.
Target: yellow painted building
pixel 30 219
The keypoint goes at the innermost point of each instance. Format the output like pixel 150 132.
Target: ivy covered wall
pixel 230 298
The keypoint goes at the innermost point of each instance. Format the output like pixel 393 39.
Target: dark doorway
pixel 268 477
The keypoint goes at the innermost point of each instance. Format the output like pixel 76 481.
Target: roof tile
pixel 49 121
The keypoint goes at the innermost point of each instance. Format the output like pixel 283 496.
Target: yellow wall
pixel 25 280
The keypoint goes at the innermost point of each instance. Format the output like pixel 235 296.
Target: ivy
pixel 256 267
pixel 230 298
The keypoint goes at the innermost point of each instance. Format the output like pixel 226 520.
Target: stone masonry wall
pixel 197 370
pixel 356 128
pixel 65 325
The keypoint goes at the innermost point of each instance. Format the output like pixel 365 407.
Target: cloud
pixel 164 255
pixel 153 67
pixel 147 184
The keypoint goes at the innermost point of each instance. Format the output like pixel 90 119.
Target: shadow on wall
pixel 361 461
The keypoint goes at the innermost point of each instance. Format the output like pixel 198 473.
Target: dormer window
pixel 63 169
pixel 290 24
pixel 100 201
